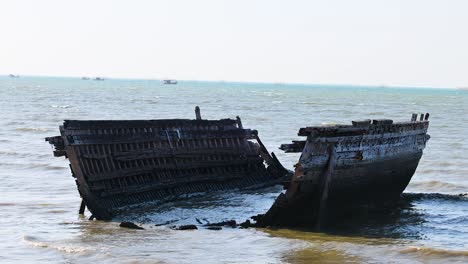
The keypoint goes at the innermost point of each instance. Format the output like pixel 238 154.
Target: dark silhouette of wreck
pixel 367 163
pixel 125 162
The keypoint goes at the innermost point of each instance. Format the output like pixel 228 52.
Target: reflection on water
pixel 413 231
pixel 407 232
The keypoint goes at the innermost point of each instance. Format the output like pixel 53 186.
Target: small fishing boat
pixel 99 79
pixel 342 165
pixel 13 76
pixel 168 81
pixel 117 163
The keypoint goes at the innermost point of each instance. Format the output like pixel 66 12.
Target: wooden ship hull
pixel 340 166
pixel 121 163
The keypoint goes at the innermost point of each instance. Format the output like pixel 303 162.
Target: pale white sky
pixel 368 42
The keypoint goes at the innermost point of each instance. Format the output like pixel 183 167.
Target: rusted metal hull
pixel 366 163
pixel 121 163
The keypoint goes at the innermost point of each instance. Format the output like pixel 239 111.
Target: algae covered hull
pixel 124 162
pixel 363 163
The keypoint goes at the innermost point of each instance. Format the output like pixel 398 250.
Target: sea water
pixel 39 202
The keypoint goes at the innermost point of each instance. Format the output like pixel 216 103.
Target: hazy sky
pixel 394 42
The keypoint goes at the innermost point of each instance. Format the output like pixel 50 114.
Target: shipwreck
pixel 126 162
pixel 117 163
pixel 367 162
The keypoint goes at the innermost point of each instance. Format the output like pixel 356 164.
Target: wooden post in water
pixel 326 181
pixel 197 113
pixel 239 122
pixel 82 207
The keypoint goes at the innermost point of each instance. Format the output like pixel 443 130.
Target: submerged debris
pixel 245 224
pixel 185 227
pixel 166 223
pixel 230 223
pixel 130 225
pixel 214 228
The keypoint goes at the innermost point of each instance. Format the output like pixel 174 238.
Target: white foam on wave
pixel 327 124
pixel 66 248
pixel 34 129
pixel 60 106
pixel 426 251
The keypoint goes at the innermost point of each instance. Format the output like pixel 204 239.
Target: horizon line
pixel 238 81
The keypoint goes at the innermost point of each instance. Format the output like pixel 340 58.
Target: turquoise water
pixel 39 201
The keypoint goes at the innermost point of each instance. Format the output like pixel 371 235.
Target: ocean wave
pixel 14 154
pixel 56 211
pixel 327 123
pixel 457 220
pixel 33 166
pixel 47 166
pixel 23 155
pixel 435 252
pixel 60 106
pixel 444 170
pixel 144 101
pixel 438 186
pixel 453 197
pixel 34 129
pixel 7 204
pixel 72 249
pixel 11 123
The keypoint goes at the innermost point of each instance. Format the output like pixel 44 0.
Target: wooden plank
pixel 344 130
pixel 136 170
pixel 187 179
pixel 166 136
pixel 296 146
pixel 158 123
pixel 179 152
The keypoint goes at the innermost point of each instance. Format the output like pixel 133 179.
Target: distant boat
pixel 99 79
pixel 13 76
pixel 169 81
pixel 84 78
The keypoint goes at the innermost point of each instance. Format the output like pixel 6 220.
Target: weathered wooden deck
pixel 119 163
pixel 366 162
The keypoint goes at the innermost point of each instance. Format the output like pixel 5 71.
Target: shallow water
pixel 39 201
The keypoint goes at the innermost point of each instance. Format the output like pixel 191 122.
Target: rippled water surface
pixel 39 201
